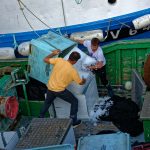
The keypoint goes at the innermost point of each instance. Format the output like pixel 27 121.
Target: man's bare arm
pixel 54 53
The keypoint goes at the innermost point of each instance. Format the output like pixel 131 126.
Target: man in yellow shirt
pixel 62 75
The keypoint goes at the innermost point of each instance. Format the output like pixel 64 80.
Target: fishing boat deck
pixel 86 128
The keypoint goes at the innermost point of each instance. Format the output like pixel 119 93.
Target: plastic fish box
pixel 8 140
pixel 115 141
pixel 42 47
pixel 86 101
pixel 56 147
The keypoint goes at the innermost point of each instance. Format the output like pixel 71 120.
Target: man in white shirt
pixel 99 68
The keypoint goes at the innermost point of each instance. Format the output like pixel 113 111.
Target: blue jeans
pixel 66 96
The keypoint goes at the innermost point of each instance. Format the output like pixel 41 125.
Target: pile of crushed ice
pixel 101 108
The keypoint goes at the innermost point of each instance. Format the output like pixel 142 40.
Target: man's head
pixel 94 44
pixel 74 57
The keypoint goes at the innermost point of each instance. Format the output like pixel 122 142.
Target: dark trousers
pixel 102 75
pixel 66 96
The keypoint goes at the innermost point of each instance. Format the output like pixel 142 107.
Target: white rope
pixel 15 42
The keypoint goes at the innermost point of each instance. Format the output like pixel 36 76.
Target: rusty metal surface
pixel 89 128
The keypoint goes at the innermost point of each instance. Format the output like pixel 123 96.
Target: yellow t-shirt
pixel 62 75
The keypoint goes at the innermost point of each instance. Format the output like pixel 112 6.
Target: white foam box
pixel 8 140
pixel 86 102
pixel 115 141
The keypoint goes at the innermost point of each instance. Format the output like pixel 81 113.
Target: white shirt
pixel 98 55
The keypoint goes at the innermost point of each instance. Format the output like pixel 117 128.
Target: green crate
pixel 124 56
pixel 145 117
pixel 146 124
pixel 18 62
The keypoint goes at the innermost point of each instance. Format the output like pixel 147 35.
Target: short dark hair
pixel 74 56
pixel 95 41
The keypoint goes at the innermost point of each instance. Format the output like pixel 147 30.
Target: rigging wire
pixel 34 14
pixel 121 23
pixel 26 18
pixel 21 3
pixel 65 21
pixel 108 28
pixel 62 3
pixel 15 42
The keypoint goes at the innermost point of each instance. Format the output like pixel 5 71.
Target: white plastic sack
pixel 88 61
pixel 7 53
pixel 78 65
pixel 79 89
pixel 23 48
pixel 77 50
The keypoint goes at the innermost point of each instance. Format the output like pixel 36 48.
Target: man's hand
pixel 83 81
pixel 56 52
pixel 98 65
pixel 90 67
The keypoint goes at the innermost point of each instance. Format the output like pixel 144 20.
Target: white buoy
pixel 141 22
pixel 88 35
pixel 24 48
pixel 7 53
pixel 128 85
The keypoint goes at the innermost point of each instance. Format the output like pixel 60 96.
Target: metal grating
pixel 138 88
pixel 44 132
pixel 145 113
